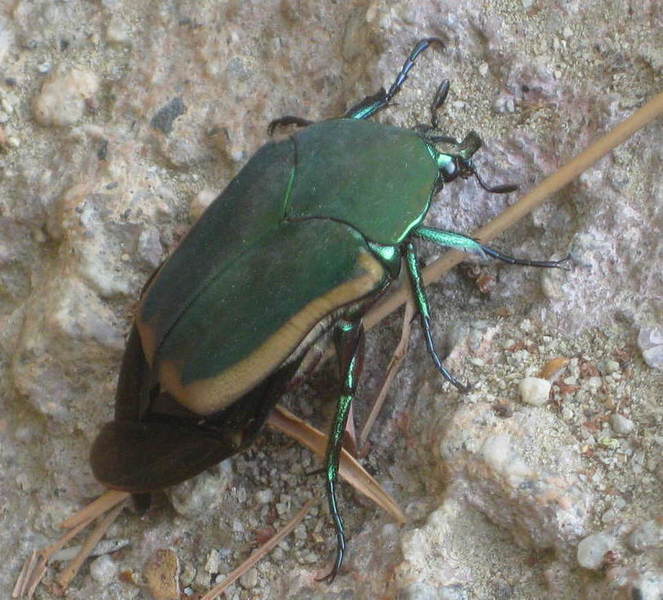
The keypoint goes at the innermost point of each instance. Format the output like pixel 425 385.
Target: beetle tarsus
pixel 340 534
pixel 526 262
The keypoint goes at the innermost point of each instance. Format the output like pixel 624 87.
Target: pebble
pixel 650 342
pixel 165 117
pixel 594 383
pixel 534 391
pixel 593 548
pixel 161 574
pixel 419 591
pixel 647 536
pixel 609 367
pixel 453 592
pixel 200 202
pixel 103 569
pixel 300 532
pixel 213 563
pixel 249 579
pixel 551 284
pixel 118 32
pixel 620 424
pixel 188 574
pixel 264 496
pixel 61 101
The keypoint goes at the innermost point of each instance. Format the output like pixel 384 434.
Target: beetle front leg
pixel 421 300
pixel 372 104
pixel 349 343
pixel 450 239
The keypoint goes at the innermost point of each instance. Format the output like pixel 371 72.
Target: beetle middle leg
pixel 349 342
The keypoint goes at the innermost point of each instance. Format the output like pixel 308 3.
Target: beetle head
pixel 457 162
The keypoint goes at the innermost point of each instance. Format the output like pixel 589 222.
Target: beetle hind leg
pixel 349 342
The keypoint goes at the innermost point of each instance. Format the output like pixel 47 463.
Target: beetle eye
pixel 448 168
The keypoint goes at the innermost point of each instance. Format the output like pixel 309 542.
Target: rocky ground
pixel 120 121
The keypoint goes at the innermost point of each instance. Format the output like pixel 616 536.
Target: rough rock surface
pixel 120 119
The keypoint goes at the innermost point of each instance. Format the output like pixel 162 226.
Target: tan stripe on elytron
pixel 215 393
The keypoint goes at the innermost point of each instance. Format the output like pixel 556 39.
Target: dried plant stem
pixel 69 572
pixel 550 185
pixel 267 547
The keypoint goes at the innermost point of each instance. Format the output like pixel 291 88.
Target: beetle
pixel 306 237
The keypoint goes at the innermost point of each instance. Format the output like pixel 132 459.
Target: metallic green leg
pixel 424 312
pixel 459 241
pixel 349 342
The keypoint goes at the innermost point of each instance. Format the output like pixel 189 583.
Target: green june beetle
pixel 307 236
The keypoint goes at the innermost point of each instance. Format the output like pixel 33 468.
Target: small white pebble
pixel 103 569
pixel 264 496
pixel 610 366
pixel 213 562
pixel 593 548
pixel 594 383
pixel 483 69
pixel 118 32
pixel 249 579
pixel 534 391
pixel 620 424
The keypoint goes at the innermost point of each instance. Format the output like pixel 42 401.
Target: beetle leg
pixel 285 121
pixel 424 312
pixel 459 241
pixel 349 342
pixel 372 104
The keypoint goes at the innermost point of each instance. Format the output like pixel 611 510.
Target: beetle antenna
pixel 438 101
pixel 506 188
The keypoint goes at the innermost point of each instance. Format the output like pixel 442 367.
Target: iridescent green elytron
pixel 303 240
